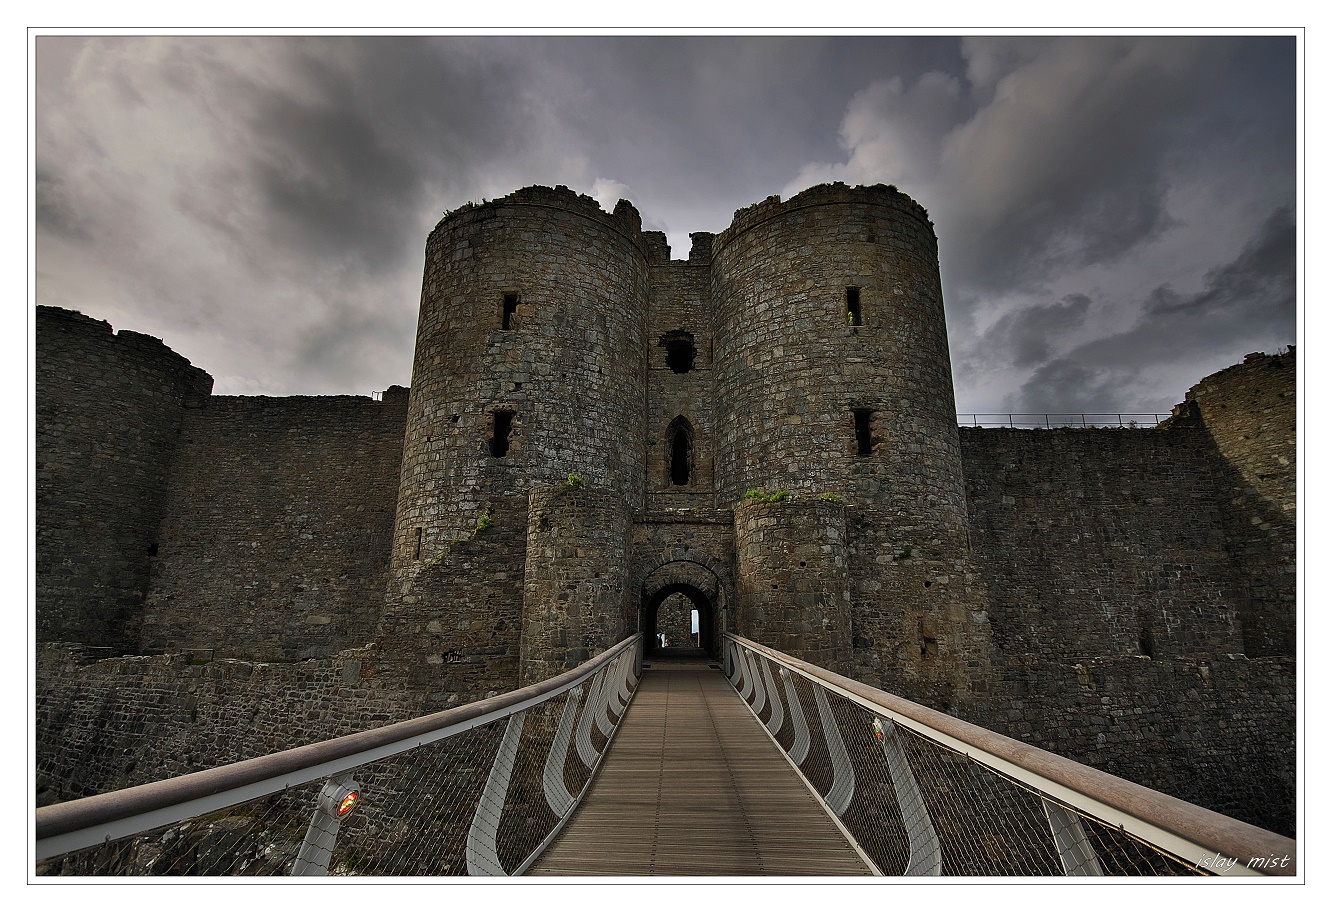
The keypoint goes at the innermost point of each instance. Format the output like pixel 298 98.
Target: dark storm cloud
pixel 1252 298
pixel 56 210
pixel 262 203
pixel 1084 168
pixel 1066 167
pixel 1246 305
pixel 1027 335
pixel 248 196
pixel 332 184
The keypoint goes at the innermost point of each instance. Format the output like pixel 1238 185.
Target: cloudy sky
pixel 1117 216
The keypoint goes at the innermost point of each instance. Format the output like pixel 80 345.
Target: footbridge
pixel 755 764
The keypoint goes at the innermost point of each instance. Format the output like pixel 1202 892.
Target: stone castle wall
pixel 1217 731
pixel 109 723
pixel 1249 413
pixel 109 414
pixel 1100 542
pixel 276 527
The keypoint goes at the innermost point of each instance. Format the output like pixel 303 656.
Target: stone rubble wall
pixel 276 527
pixel 109 723
pixel 1249 412
pixel 109 414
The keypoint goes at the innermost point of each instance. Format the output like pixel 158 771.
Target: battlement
pixel 1256 367
pixel 625 219
pixel 836 193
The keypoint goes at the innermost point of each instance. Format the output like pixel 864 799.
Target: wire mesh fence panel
pixel 986 825
pixel 417 808
pixel 1120 853
pixel 917 805
pixel 527 815
pixel 817 766
pixel 255 839
pixel 874 816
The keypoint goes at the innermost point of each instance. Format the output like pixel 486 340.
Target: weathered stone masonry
pixel 599 439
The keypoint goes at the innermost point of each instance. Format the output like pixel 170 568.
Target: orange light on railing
pixel 348 803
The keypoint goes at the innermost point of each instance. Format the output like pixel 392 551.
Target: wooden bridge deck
pixel 692 785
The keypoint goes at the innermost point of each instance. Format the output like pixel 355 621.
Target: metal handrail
pixel 84 822
pixel 1202 839
pixel 1050 420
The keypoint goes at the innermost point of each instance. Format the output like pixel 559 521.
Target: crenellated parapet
pixel 624 218
pixel 822 195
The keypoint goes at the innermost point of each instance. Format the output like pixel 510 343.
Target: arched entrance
pixel 671 613
pixel 671 596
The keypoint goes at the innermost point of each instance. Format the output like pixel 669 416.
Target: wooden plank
pixel 692 786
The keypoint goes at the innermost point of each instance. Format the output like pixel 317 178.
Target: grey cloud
pixel 1251 298
pixel 1024 337
pixel 1066 386
pixel 1246 305
pixel 252 200
pixel 1066 167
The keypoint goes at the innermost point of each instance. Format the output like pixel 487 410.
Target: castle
pixel 597 435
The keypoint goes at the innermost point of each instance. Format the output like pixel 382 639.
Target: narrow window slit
pixel 679 452
pixel 417 554
pixel 499 439
pixel 864 435
pixel 853 306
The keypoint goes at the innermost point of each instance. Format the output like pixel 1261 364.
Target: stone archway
pixel 700 586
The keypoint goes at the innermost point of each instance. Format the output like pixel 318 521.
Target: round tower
pixel 831 355
pixel 832 382
pixel 529 361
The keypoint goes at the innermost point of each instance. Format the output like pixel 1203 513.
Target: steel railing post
pixel 482 853
pixel 776 717
pixel 586 752
pixel 926 858
pixel 336 800
pixel 746 674
pixel 552 778
pixel 800 747
pixel 1075 850
pixel 760 698
pixel 844 778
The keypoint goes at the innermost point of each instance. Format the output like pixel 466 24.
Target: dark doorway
pixel 678 611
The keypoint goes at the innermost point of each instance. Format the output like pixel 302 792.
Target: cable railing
pixel 481 789
pixel 1051 420
pixel 924 793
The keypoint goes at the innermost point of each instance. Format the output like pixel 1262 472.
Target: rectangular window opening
pixel 510 311
pixel 864 435
pixel 853 306
pixel 499 440
pixel 417 555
